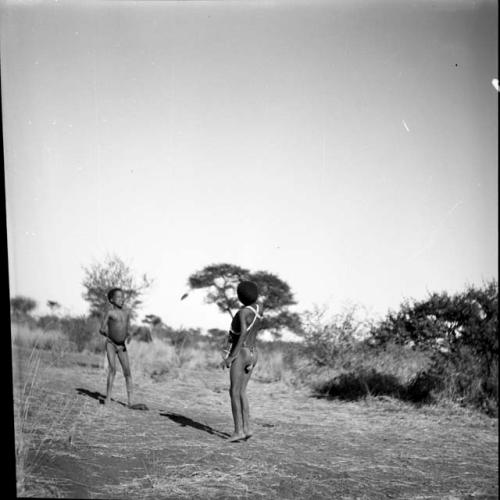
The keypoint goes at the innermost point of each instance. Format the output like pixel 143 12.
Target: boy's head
pixel 115 296
pixel 247 292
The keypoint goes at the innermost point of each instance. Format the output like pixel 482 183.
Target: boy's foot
pixel 107 401
pixel 236 437
pixel 248 434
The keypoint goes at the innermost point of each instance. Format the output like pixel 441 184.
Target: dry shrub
pixel 401 362
pixel 151 358
pixel 158 358
pixel 270 366
pixel 464 381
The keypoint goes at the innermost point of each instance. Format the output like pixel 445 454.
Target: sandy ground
pixel 302 447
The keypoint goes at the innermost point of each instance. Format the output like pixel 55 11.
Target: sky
pixel 348 147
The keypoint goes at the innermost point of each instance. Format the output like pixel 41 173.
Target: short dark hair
pixel 247 292
pixel 112 292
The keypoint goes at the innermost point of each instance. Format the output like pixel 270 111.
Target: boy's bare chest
pixel 117 317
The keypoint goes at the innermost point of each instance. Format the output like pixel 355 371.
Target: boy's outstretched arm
pixel 103 330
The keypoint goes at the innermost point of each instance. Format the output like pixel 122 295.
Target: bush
pixel 142 334
pixel 217 337
pixel 460 332
pixel 464 380
pixel 355 385
pixel 25 320
pixel 179 338
pixel 423 387
pixel 328 340
pixel 48 322
pixel 83 332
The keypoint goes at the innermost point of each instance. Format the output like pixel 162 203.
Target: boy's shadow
pixel 97 395
pixel 178 419
pixel 184 421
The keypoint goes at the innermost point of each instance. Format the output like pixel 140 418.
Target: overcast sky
pixel 349 147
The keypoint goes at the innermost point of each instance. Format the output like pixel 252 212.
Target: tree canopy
pixel 22 306
pixel 99 278
pixel 275 295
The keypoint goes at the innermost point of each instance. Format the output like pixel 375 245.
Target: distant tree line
pixel 458 332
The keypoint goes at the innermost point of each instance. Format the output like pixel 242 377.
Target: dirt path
pixel 302 447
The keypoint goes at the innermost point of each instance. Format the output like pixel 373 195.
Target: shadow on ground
pixel 97 395
pixel 186 421
pixel 356 385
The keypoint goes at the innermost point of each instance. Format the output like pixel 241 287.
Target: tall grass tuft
pixel 38 423
pixel 22 408
pixel 36 338
pixel 270 366
pixel 158 359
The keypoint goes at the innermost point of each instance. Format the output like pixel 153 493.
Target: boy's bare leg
pixel 245 407
pixel 236 373
pixel 110 350
pixel 124 361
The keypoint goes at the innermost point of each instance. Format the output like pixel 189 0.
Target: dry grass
pixel 189 480
pixel 272 367
pixel 302 448
pixel 40 418
pixel 22 402
pixel 159 359
pixel 394 366
pixel 36 338
pixel 399 361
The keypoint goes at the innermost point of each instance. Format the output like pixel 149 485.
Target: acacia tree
pixel 21 306
pixel 275 295
pixel 113 272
